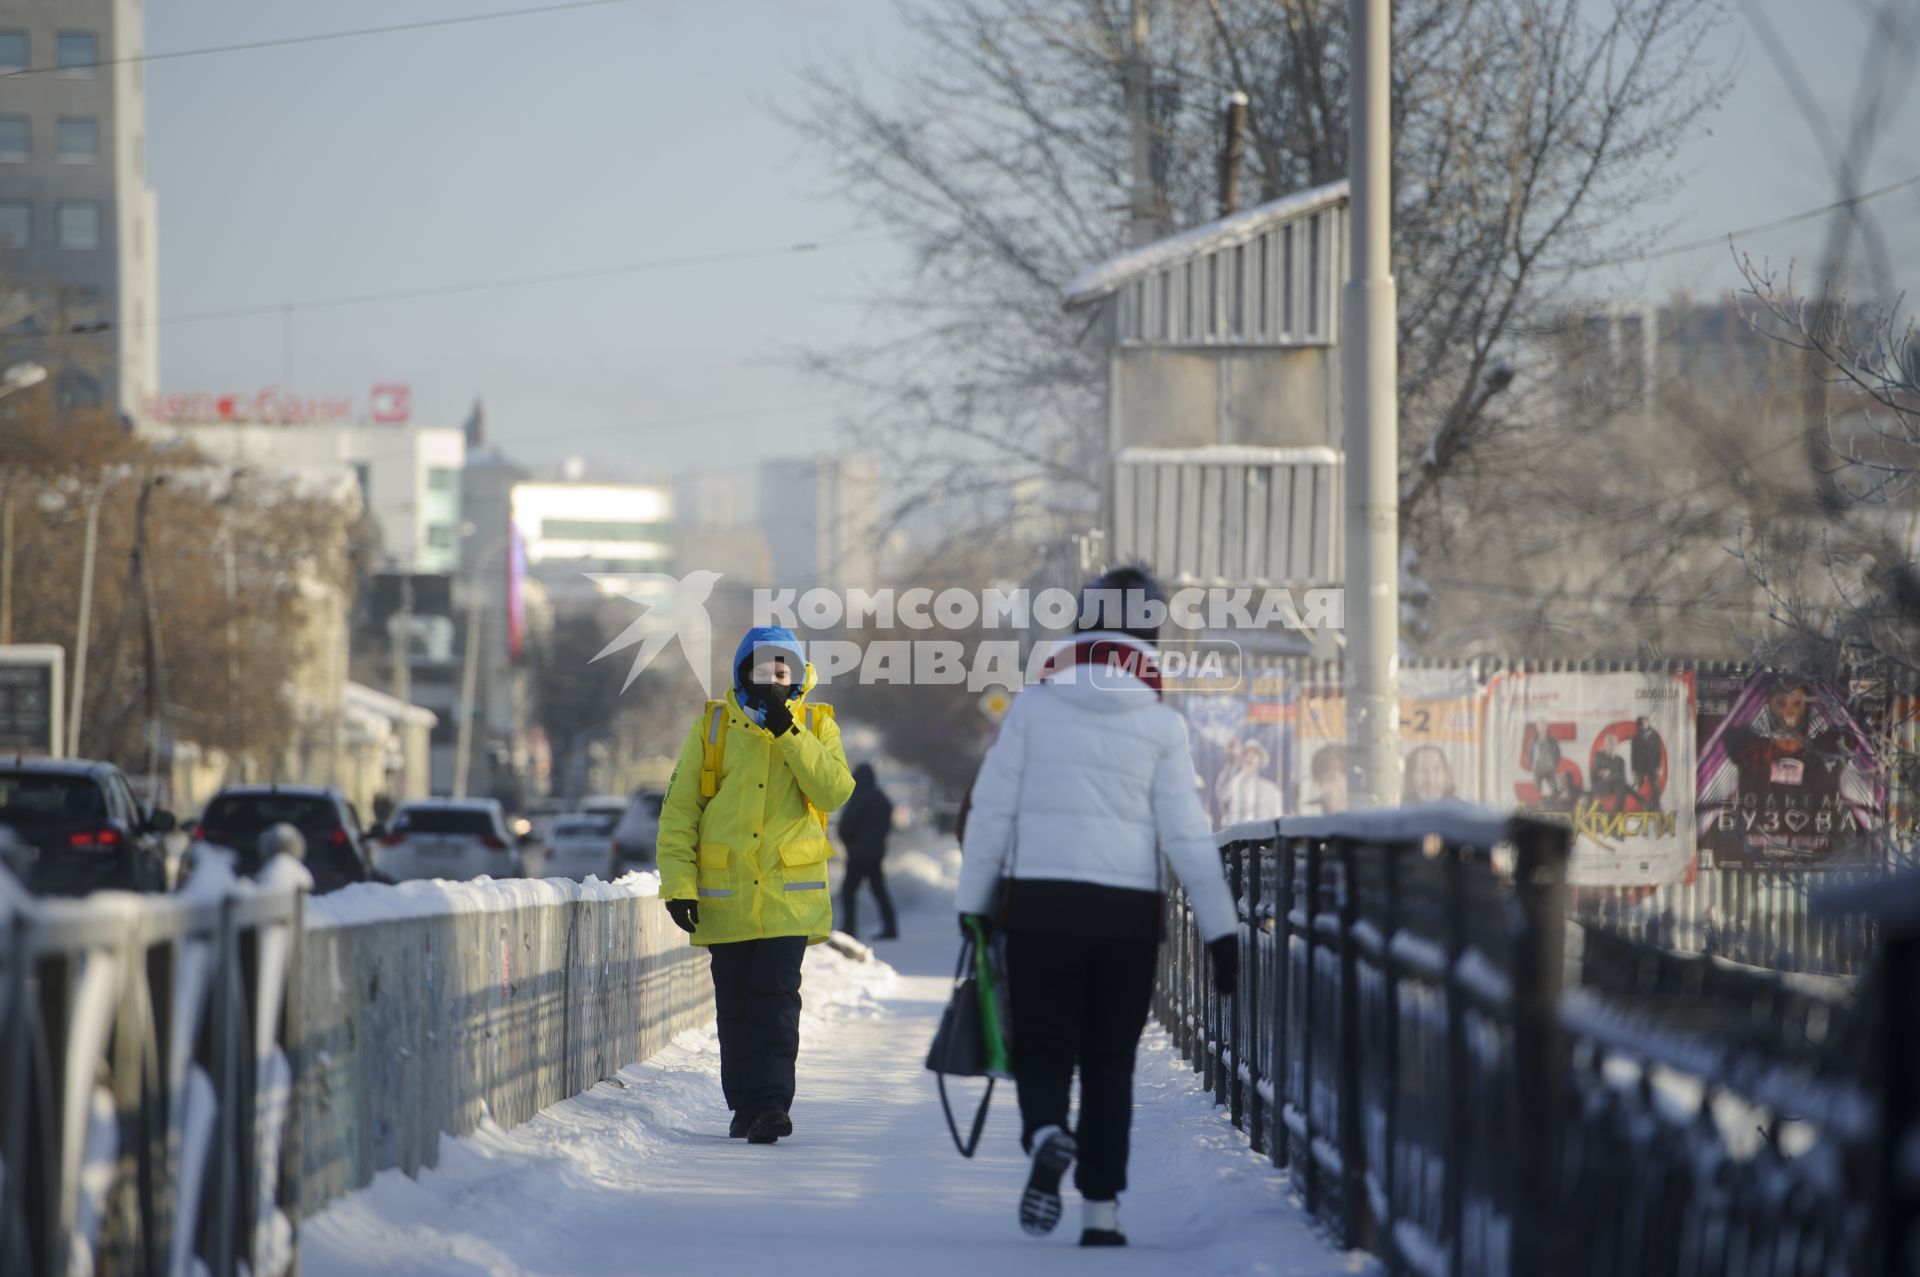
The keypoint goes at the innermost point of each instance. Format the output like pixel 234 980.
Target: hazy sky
pixel 642 131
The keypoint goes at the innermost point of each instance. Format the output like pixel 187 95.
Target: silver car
pixel 634 836
pixel 580 844
pixel 457 838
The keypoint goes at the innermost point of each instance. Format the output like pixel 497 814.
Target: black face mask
pixel 763 693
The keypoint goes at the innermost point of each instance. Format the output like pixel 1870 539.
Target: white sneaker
pixel 1100 1223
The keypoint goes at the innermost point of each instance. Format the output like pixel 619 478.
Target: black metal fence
pixel 1465 1083
pixel 184 1077
pixel 146 1083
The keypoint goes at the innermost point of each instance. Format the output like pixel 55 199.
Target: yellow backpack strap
pixel 713 747
pixel 815 716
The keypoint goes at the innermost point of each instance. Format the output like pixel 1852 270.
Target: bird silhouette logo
pixel 673 608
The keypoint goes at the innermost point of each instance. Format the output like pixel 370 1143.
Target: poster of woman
pixel 1788 774
pixel 1439 740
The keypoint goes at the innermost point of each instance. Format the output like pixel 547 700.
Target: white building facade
pixel 408 475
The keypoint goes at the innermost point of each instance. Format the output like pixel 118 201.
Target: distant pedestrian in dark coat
pixel 865 822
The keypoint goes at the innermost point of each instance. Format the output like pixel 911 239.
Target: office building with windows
pixel 567 530
pixel 78 257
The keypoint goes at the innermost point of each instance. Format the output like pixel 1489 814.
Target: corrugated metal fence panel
pixel 422 1026
pixel 1233 520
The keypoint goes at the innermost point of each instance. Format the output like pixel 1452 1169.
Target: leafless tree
pixel 226 653
pixel 998 155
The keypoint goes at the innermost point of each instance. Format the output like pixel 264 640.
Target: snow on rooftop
pixel 1098 281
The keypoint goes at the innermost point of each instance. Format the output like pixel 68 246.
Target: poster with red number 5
pixel 1612 755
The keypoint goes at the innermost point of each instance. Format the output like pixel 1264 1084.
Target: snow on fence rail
pixel 183 1077
pixel 1451 1093
pixel 145 1070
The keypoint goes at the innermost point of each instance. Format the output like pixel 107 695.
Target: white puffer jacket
pixel 1089 780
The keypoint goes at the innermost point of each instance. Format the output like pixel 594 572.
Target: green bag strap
pixel 999 1056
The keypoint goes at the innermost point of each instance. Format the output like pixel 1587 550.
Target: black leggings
pixel 865 869
pixel 1080 1002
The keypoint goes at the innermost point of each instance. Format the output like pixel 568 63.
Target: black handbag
pixel 974 1038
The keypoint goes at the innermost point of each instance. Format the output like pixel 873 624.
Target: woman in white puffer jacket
pixel 1089 781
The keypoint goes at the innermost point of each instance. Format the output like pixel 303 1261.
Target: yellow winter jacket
pixel 753 854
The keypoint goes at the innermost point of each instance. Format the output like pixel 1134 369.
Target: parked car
pixel 639 826
pixel 18 855
pixel 337 853
pixel 456 838
pixel 82 819
pixel 542 812
pixel 579 845
pixel 602 804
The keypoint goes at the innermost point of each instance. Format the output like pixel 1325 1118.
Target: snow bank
pixel 921 879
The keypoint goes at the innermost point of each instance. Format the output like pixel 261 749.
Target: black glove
pixel 966 932
pixel 685 914
pixel 779 717
pixel 1225 953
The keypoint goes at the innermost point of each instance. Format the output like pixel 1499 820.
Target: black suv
pixel 83 820
pixel 336 849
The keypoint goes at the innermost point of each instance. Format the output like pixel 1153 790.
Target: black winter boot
pixel 769 1125
pixel 737 1128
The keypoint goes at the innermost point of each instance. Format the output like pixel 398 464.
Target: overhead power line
pixel 486 285
pixel 1721 240
pixel 320 37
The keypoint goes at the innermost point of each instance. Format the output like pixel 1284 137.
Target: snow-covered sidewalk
pixel 638 1175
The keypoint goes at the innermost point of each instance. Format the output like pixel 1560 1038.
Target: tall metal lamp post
pixel 1371 375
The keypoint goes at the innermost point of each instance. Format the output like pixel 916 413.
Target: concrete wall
pixel 456 1001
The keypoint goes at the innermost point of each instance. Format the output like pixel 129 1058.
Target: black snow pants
pixel 756 996
pixel 1080 1001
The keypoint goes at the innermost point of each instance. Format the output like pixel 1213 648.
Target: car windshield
pixel 582 826
pixel 443 820
pixel 29 798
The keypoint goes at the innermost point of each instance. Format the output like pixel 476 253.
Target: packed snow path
pixel 637 1176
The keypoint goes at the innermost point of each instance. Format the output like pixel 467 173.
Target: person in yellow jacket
pixel 743 852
